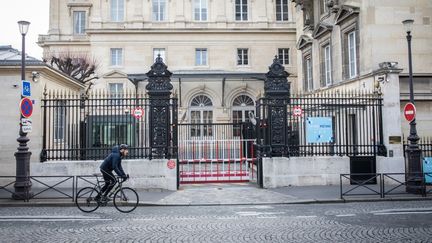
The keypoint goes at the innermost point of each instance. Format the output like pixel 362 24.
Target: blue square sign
pixel 26 88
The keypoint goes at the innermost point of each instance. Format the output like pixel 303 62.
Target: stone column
pixel 54 24
pixel 387 82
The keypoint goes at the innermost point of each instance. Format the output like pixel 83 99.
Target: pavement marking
pixel 266 217
pixel 37 218
pixel 306 216
pixel 346 215
pixel 228 218
pixel 254 213
pixel 396 213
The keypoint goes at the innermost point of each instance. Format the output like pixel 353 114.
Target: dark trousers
pixel 110 182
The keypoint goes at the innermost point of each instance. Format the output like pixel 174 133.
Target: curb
pixel 150 204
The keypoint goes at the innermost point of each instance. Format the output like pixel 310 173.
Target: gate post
pixel 276 93
pixel 159 89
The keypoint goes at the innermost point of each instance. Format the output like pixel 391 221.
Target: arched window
pixel 201 112
pixel 241 107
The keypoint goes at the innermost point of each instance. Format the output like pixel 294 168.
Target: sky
pixel 34 11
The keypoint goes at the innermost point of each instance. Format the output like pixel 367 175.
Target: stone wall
pixel 144 174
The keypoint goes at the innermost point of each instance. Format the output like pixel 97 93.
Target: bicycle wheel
pixel 126 200
pixel 85 199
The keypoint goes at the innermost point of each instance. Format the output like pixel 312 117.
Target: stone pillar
pixel 54 24
pixel 387 82
pixel 159 90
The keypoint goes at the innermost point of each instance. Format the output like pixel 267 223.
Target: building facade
pixel 42 77
pixel 218 51
pixel 357 44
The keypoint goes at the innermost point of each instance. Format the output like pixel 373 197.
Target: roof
pixel 11 56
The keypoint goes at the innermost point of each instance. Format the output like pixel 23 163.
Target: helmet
pixel 123 146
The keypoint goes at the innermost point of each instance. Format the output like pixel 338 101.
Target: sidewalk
pixel 229 194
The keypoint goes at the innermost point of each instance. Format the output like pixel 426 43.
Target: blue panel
pixel 427 168
pixel 26 88
pixel 319 130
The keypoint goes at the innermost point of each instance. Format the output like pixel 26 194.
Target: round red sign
pixel 171 164
pixel 297 111
pixel 138 112
pixel 409 111
pixel 26 107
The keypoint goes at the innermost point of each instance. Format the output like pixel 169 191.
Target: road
pixel 408 221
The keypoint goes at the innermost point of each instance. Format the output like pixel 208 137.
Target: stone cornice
pixel 345 12
pixel 303 42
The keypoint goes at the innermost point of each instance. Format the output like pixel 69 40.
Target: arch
pixel 201 101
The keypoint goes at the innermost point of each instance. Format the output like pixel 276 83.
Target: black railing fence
pixel 346 124
pixel 425 144
pixel 79 127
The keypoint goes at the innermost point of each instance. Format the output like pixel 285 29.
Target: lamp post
pixel 414 184
pixel 22 183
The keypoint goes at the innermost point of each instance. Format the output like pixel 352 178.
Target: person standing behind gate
pixel 110 164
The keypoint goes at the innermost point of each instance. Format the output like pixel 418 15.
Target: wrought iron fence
pixel 425 144
pixel 78 127
pixel 343 124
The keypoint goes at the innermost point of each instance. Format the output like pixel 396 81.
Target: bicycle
pixel 125 199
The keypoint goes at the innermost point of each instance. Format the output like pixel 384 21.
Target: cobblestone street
pixel 350 222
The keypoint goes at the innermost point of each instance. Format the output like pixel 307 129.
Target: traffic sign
pixel 26 107
pixel 171 164
pixel 26 129
pixel 26 88
pixel 26 121
pixel 409 111
pixel 138 112
pixel 297 111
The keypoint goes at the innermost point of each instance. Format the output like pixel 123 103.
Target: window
pixel 352 54
pixel 241 107
pixel 201 113
pixel 308 81
pixel 60 120
pixel 159 51
pixel 327 65
pixel 117 10
pixel 242 56
pixel 79 22
pixel 283 54
pixel 241 10
pixel 200 10
pixel 282 10
pixel 116 56
pixel 159 10
pixel 201 57
pixel 116 93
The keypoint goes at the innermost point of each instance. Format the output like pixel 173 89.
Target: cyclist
pixel 112 162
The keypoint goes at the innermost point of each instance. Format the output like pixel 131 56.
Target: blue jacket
pixel 113 162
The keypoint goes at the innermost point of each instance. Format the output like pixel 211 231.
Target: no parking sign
pixel 26 107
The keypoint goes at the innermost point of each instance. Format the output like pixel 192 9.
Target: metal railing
pixel 77 127
pixel 387 184
pixel 354 124
pixel 43 187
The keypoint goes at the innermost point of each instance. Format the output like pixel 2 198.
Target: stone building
pixel 362 44
pixel 42 77
pixel 218 51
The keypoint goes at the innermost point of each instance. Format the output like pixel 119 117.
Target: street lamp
pixel 22 182
pixel 414 184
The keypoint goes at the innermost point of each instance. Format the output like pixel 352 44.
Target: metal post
pixel 414 184
pixel 22 182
